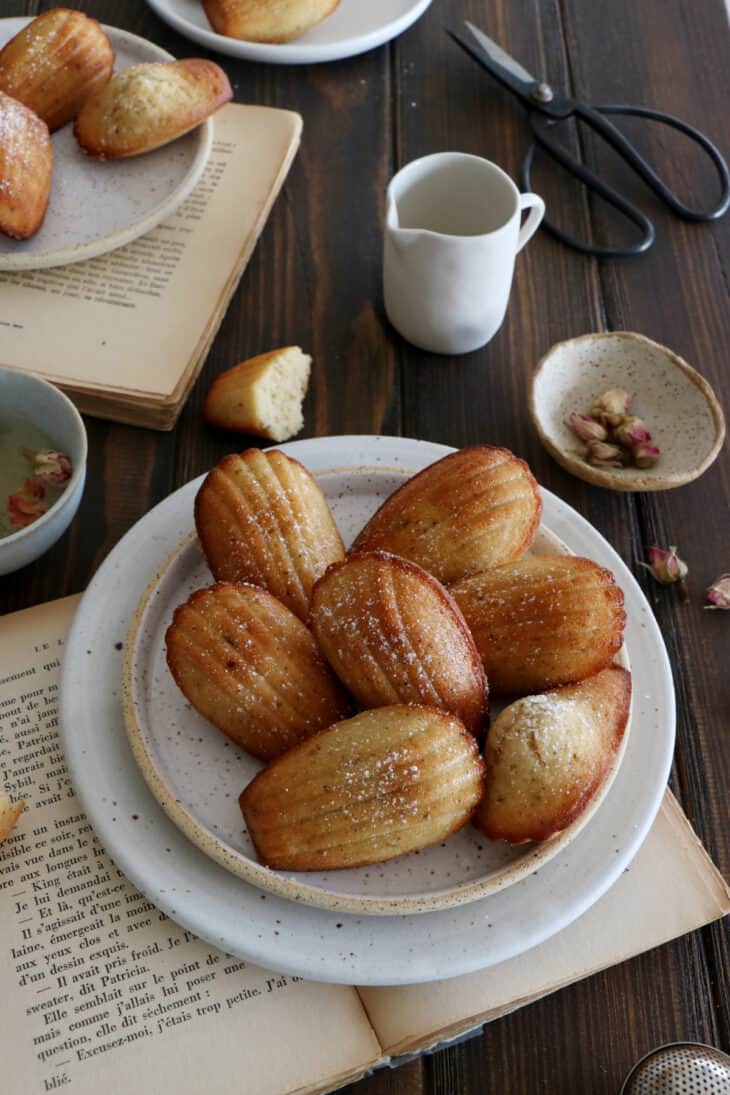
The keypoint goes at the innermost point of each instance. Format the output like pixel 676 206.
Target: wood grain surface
pixel 315 280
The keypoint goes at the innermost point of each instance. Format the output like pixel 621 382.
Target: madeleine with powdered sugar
pixel 476 508
pixel 393 634
pixel 547 755
pixel 376 786
pixel 262 518
pixel 542 621
pixel 251 667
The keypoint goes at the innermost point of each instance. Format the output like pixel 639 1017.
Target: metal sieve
pixel 680 1068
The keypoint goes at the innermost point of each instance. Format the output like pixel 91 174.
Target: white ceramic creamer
pixel 451 235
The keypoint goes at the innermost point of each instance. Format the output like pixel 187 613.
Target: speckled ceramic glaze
pixel 677 404
pixel 97 206
pixel 197 774
pixel 354 27
pixel 287 935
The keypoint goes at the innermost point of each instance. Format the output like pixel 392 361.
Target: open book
pixel 99 991
pixel 126 334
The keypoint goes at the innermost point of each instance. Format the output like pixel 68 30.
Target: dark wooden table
pixel 315 280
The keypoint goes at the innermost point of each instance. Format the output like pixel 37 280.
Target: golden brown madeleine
pixel 55 63
pixel 547 755
pixel 252 668
pixel 542 621
pixel 149 105
pixel 379 785
pixel 474 509
pixel 26 166
pixel 262 518
pixel 262 21
pixel 393 634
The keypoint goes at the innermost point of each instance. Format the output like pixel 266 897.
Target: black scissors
pixel 546 108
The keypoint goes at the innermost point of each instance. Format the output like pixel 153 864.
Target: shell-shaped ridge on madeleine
pixel 473 509
pixel 386 782
pixel 252 668
pixel 393 634
pixel 262 518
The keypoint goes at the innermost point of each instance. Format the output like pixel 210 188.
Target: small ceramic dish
pixel 27 397
pixel 677 404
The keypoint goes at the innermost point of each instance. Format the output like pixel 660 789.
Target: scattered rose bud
pixel 49 465
pixel 586 428
pixel 645 456
pixel 603 455
pixel 665 565
pixel 719 593
pixel 631 431
pixel 612 406
pixel 25 506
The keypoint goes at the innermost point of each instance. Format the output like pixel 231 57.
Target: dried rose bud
pixel 603 455
pixel 586 427
pixel 719 593
pixel 50 466
pixel 665 565
pixel 25 506
pixel 645 456
pixel 631 431
pixel 611 406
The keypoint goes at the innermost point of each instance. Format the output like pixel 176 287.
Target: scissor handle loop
pixel 561 154
pixel 593 116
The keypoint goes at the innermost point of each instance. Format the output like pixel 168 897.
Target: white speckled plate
pixel 197 774
pixel 354 27
pixel 290 936
pixel 97 206
pixel 677 404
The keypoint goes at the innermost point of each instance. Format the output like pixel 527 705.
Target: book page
pixel 632 917
pixel 101 992
pixel 135 319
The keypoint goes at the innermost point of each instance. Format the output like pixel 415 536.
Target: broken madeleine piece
pixel 474 509
pixel 55 63
pixel 262 21
pixel 262 518
pixel 251 667
pixel 376 786
pixel 149 105
pixel 393 634
pixel 9 814
pixel 542 621
pixel 547 755
pixel 26 166
pixel 263 395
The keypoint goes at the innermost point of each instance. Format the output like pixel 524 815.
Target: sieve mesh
pixel 683 1068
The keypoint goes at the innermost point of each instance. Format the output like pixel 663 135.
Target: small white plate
pixel 96 206
pixel 356 26
pixel 197 774
pixel 287 935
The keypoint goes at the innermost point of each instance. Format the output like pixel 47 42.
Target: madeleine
pixel 476 508
pixel 376 786
pixel 542 621
pixel 547 755
pixel 251 667
pixel 262 518
pixel 393 634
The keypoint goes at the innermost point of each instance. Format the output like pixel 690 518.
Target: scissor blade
pixel 500 59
